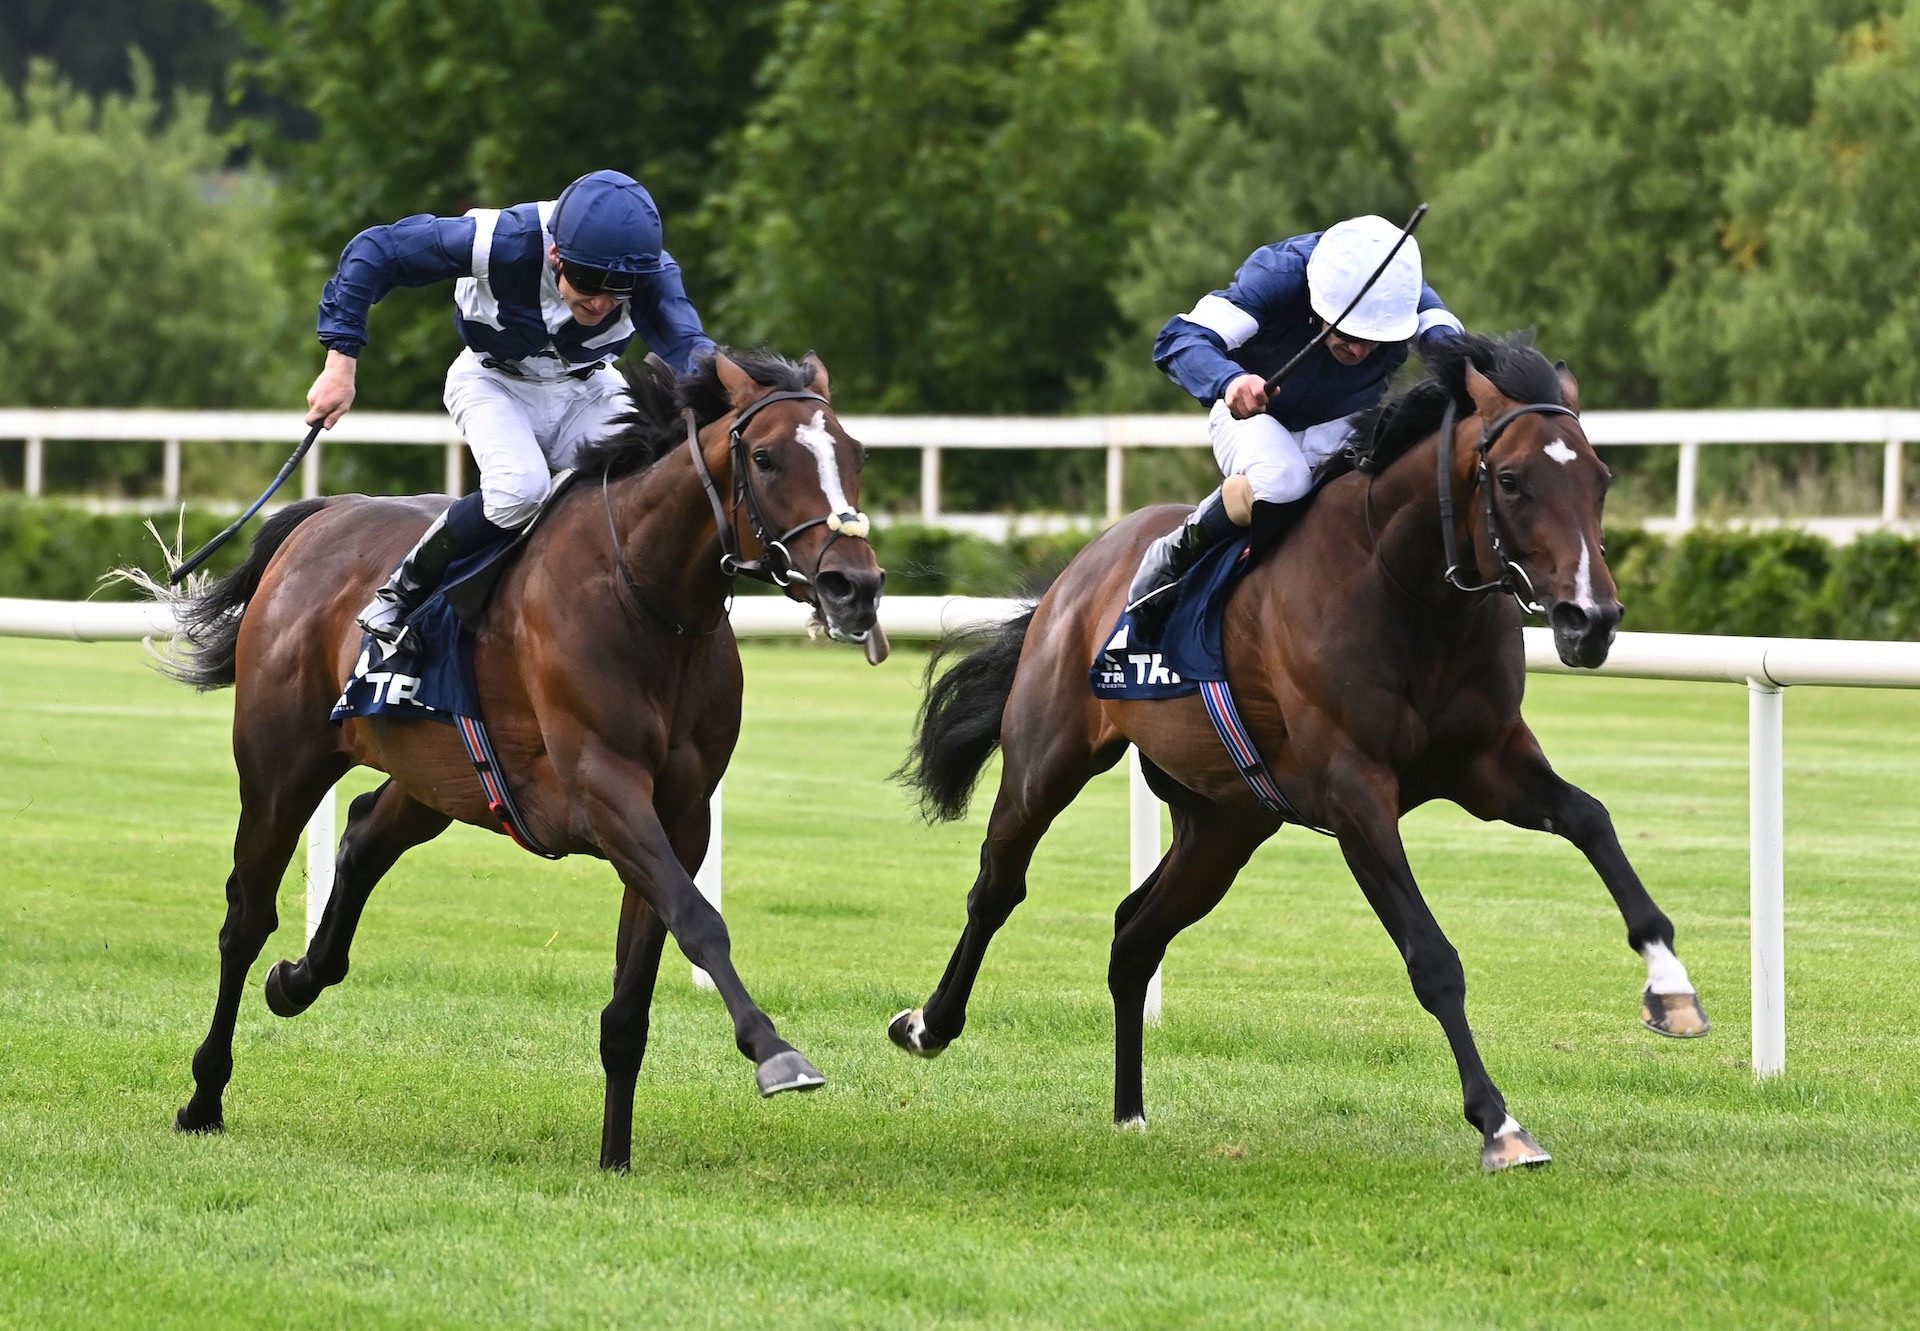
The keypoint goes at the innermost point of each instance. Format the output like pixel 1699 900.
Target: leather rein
pixel 776 567
pixel 1513 579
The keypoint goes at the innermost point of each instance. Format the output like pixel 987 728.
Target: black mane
pixel 654 428
pixel 1517 369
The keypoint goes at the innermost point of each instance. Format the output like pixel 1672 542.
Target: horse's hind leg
pixel 272 812
pixel 1034 787
pixel 1517 785
pixel 382 825
pixel 1211 844
pixel 625 1021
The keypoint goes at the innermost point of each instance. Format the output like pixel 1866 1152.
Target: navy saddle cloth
pixel 1190 650
pixel 434 681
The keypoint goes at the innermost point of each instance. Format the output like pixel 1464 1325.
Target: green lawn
pixel 418 1150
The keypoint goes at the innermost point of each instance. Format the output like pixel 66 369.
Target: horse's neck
pixel 670 540
pixel 1404 515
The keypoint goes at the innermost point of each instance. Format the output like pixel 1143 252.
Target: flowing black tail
pixel 207 620
pixel 959 722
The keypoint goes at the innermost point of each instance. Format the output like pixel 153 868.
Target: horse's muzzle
pixel 1583 635
pixel 849 600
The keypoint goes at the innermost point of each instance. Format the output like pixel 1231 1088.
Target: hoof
pixel 1677 1015
pixel 186 1120
pixel 788 1072
pixel 279 1002
pixel 1136 1123
pixel 908 1029
pixel 1514 1148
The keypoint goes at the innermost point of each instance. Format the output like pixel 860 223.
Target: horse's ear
pixel 742 388
pixel 1569 387
pixel 819 371
pixel 1487 400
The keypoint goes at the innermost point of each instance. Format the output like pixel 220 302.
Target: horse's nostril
pixel 835 586
pixel 1569 618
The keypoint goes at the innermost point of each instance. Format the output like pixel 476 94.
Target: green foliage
pixel 1812 297
pixel 56 552
pixel 933 196
pixel 1769 584
pixel 140 272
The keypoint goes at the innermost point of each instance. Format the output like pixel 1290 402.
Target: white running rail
pixel 931 435
pixel 1767 666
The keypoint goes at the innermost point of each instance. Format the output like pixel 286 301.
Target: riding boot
pixel 460 530
pixel 1219 517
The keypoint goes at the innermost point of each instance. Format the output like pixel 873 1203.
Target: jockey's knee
pixel 1279 481
pixel 512 501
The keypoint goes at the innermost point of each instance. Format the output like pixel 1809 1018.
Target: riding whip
pixel 1280 375
pixel 205 552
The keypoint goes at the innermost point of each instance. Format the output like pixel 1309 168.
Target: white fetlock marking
pixel 1508 1127
pixel 1665 974
pixel 1134 1124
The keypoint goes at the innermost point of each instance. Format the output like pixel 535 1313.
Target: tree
pixel 933 196
pixel 140 272
pixel 1812 295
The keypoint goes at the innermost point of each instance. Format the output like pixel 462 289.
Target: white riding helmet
pixel 1342 262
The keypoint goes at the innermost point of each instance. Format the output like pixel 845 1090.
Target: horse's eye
pixel 1509 482
pixel 763 459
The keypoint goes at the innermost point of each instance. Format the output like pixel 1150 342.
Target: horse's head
pixel 1544 488
pixel 796 483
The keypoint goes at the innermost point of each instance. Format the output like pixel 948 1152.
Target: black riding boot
pixel 1167 560
pixel 459 531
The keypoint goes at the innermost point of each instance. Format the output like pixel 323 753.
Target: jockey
pixel 548 295
pixel 1223 349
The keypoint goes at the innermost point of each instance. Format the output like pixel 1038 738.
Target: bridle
pixel 1513 579
pixel 777 566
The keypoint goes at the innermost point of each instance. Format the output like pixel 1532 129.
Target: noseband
pixel 777 567
pixel 1513 579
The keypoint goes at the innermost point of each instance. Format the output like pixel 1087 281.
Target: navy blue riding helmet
pixel 607 230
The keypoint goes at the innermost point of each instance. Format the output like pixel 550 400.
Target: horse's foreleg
pixel 271 817
pixel 1211 845
pixel 1363 802
pixel 624 1023
pixel 1517 785
pixel 382 825
pixel 620 813
pixel 1033 790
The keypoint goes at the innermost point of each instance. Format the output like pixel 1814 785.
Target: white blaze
pixel 814 435
pixel 1583 577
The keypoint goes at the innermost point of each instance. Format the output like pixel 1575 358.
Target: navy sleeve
pixel 1437 323
pixel 1192 349
pixel 416 251
pixel 664 317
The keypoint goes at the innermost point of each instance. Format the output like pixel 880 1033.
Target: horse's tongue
pixel 877 647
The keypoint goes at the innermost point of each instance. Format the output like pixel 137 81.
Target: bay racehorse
pixel 607 673
pixel 1370 679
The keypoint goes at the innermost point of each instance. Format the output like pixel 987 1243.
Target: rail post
pixel 1766 842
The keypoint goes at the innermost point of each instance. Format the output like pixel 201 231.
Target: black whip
pixel 205 552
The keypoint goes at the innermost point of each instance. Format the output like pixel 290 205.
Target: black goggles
pixel 598 281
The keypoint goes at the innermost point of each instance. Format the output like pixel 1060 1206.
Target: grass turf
pixel 418 1150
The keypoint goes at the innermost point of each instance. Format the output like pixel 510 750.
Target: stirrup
pixel 396 634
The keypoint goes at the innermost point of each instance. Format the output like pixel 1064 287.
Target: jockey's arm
pixel 416 251
pixel 666 320
pixel 1192 349
pixel 1438 324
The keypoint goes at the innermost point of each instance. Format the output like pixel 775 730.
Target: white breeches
pixel 521 431
pixel 1277 461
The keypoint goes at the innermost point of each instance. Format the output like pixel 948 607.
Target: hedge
pixel 1775 584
